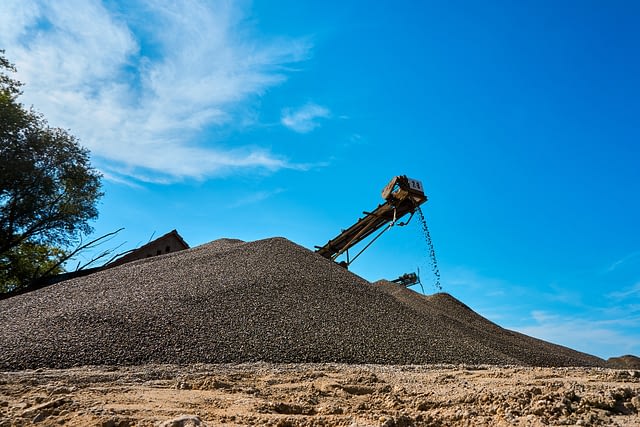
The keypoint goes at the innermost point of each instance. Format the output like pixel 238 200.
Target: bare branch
pixel 84 246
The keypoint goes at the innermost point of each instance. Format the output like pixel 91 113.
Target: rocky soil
pixel 320 395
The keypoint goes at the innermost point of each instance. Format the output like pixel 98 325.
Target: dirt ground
pixel 320 395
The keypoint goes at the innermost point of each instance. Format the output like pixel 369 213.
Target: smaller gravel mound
pixel 624 362
pixel 469 324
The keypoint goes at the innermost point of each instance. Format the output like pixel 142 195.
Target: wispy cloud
pixel 614 265
pixel 461 277
pixel 304 119
pixel 255 197
pixel 631 291
pixel 603 337
pixel 487 295
pixel 141 86
pixel 567 295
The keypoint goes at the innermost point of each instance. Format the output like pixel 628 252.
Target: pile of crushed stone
pixel 473 327
pixel 270 300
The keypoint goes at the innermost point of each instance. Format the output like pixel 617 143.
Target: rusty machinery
pixel 409 279
pixel 402 196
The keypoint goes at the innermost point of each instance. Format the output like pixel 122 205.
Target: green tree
pixel 27 262
pixel 48 189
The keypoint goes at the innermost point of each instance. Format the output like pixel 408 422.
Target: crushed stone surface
pixel 232 302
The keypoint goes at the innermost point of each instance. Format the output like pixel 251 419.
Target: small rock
pixel 38 418
pixel 183 385
pixel 184 421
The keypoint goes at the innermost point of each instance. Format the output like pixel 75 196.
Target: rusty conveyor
pixel 402 196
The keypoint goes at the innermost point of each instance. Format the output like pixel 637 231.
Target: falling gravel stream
pixel 433 262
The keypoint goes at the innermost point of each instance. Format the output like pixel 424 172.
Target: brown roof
pixel 143 250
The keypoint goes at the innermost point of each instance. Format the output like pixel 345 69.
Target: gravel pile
pixel 269 300
pixel 472 327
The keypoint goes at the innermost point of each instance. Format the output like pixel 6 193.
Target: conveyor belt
pixel 387 213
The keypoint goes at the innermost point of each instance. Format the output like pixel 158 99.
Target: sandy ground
pixel 320 395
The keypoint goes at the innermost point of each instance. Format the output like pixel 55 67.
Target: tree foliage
pixel 27 262
pixel 48 189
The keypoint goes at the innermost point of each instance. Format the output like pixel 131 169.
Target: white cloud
pixel 632 291
pixel 615 265
pixel 140 86
pixel 304 119
pixel 464 278
pixel 604 337
pixel 253 198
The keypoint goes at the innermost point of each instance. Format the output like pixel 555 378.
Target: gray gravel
pixel 269 300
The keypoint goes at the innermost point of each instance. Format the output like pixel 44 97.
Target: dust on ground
pixel 320 395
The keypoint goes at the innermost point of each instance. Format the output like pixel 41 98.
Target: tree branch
pixel 81 247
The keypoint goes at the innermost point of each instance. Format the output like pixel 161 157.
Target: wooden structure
pixel 170 242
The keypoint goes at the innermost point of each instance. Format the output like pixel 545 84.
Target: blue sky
pixel 287 118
